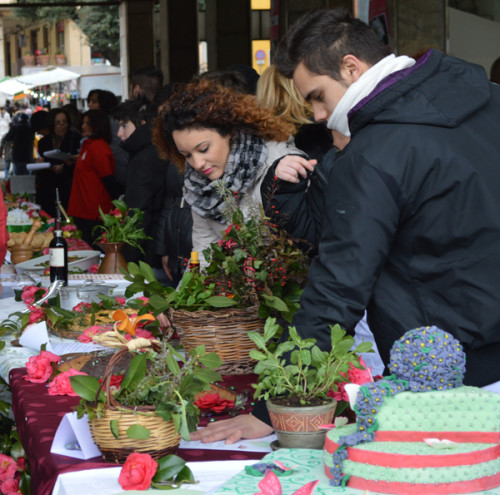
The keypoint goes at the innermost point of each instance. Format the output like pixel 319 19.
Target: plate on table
pixel 76 259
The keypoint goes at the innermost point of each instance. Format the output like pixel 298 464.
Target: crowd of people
pixel 385 165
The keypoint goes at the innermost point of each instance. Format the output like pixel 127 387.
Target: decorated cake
pixel 419 431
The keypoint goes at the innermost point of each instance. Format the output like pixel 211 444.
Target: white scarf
pixel 363 87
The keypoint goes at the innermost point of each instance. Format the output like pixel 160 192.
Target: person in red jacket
pixel 94 185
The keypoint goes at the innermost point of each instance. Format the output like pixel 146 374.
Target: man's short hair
pixel 321 38
pixel 149 79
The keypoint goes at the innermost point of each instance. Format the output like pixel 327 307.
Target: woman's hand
pixel 290 167
pixel 166 268
pixel 232 430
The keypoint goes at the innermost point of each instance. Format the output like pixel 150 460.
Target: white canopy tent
pixel 51 75
pixel 11 86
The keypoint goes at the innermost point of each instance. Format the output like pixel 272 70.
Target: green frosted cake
pixel 438 438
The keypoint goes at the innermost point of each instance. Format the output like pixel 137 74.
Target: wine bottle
pixel 58 252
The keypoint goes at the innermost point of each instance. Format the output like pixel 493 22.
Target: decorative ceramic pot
pixel 298 427
pixel 113 258
pixel 28 60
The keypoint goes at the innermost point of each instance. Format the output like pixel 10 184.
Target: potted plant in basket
pixel 153 406
pixel 121 226
pixel 296 377
pixel 253 272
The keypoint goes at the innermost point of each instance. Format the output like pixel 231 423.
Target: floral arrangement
pixel 141 471
pixel 254 264
pixel 122 224
pixel 422 359
pixel 155 378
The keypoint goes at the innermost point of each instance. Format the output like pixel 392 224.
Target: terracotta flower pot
pixel 298 427
pixel 60 59
pixel 28 60
pixel 42 59
pixel 113 257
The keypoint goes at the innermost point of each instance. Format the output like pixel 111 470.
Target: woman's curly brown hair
pixel 206 104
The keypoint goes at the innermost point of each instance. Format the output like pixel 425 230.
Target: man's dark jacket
pixel 411 226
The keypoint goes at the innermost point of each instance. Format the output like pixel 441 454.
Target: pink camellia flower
pixel 81 306
pixel 29 294
pixel 10 487
pixel 69 228
pixel 141 332
pixel 354 375
pixel 61 384
pixel 36 315
pixel 8 468
pixel 39 368
pixel 88 333
pixel 116 213
pixel 120 300
pixel 144 299
pixel 137 472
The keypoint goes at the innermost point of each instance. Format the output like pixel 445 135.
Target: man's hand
pixel 232 430
pixel 166 268
pixel 290 167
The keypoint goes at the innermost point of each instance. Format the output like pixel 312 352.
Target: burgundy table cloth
pixel 38 414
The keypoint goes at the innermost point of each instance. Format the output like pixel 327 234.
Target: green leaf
pixel 275 302
pixel 257 338
pixel 147 271
pixel 185 474
pixel 138 432
pixel 220 301
pixel 113 426
pixel 364 347
pixel 136 372
pixel 168 468
pixel 211 360
pixel 86 387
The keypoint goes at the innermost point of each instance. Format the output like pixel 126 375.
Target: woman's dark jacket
pixel 145 189
pixel 46 181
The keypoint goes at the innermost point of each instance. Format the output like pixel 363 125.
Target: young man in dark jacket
pixel 411 225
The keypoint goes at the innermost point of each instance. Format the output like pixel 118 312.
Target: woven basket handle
pixel 106 379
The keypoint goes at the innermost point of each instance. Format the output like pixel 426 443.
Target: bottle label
pixel 56 257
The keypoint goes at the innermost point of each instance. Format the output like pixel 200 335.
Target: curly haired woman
pixel 212 132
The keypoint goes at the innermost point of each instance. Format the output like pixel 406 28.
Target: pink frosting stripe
pixel 418 436
pixel 357 454
pixel 455 488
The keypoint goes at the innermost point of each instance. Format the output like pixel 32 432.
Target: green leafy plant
pixel 297 372
pixel 155 379
pixel 122 224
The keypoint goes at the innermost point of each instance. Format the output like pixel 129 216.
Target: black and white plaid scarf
pixel 247 155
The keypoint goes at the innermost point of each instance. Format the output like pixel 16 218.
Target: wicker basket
pixel 223 332
pixel 162 441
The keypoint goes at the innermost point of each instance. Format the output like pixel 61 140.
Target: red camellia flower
pixel 116 381
pixel 354 375
pixel 88 333
pixel 61 385
pixel 214 402
pixel 8 467
pixel 39 367
pixel 137 472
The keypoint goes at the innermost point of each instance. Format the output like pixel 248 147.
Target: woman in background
pixel 60 173
pixel 94 185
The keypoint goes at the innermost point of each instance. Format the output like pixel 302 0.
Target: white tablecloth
pixel 210 474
